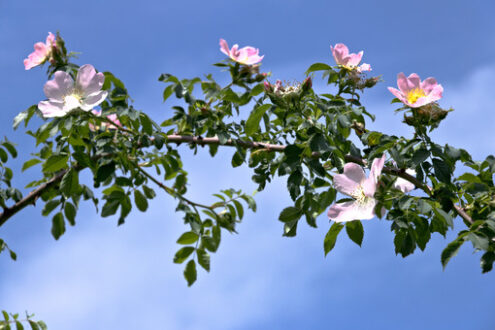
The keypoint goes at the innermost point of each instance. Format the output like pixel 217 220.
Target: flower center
pixel 360 196
pixel 72 101
pixel 414 95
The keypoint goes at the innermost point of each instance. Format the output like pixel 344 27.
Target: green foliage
pixel 285 131
pixel 11 320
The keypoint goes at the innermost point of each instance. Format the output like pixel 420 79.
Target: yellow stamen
pixel 414 95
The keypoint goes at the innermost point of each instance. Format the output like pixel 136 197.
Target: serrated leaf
pixel 33 325
pixel 70 213
pixel 183 254
pixel 110 208
pixel 70 182
pixel 253 122
pixel 290 213
pixel 442 170
pixel 58 225
pixel 203 259
pixel 140 201
pixel 10 147
pixel 190 273
pixel 188 238
pixel 451 250
pixel 355 231
pixel 55 163
pixel 419 156
pixel 30 163
pixel 331 237
pixel 487 261
pixel 318 67
pixel 50 206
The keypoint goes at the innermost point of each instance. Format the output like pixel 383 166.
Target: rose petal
pixel 52 108
pixel 350 180
pixel 224 47
pixel 60 86
pixel 348 211
pixel 369 185
pixel 91 101
pixel 88 81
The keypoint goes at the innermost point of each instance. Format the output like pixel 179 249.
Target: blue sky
pixel 100 276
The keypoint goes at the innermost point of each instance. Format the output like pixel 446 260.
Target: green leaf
pixel 239 208
pixel 355 231
pixel 319 143
pixel 105 171
pixel 442 170
pixel 188 238
pixel 190 272
pixel 50 206
pixel 203 259
pixel 445 216
pixel 479 242
pixel 70 213
pixel 42 325
pixel 253 122
pixel 318 67
pixel 451 250
pixel 419 156
pixel 110 207
pixel 58 225
pixel 487 261
pixel 70 182
pixel 3 155
pixel 20 118
pixel 30 163
pixel 55 163
pixel 183 254
pixel 167 92
pixel 290 213
pixel 469 177
pixel 18 325
pixel 149 192
pixel 140 201
pixel 10 147
pixel 33 325
pixel 331 237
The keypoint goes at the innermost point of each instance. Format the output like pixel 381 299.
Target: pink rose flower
pixel 349 61
pixel 247 55
pixel 42 52
pixel 415 93
pixel 404 185
pixel 353 182
pixel 104 125
pixel 64 95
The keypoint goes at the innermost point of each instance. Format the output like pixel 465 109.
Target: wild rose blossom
pixel 404 185
pixel 353 182
pixel 64 95
pixel 104 125
pixel 42 52
pixel 415 93
pixel 349 61
pixel 246 55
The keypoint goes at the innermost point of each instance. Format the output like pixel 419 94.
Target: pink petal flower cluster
pixel 353 182
pixel 64 95
pixel 42 52
pixel 349 61
pixel 104 125
pixel 246 55
pixel 404 185
pixel 415 93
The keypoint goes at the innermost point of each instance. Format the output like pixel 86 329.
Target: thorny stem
pixel 172 191
pixel 35 194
